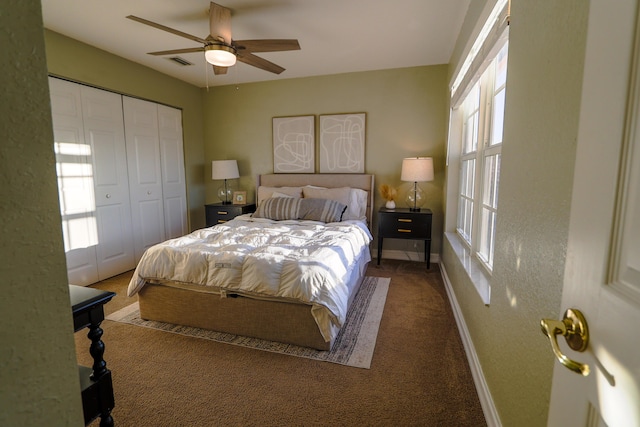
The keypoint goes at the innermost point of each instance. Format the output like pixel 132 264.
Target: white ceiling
pixel 336 36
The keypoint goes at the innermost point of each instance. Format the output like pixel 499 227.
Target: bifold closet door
pixel 92 181
pixel 75 183
pixel 104 131
pixel 174 188
pixel 145 175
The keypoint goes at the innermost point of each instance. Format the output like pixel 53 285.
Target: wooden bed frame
pixel 286 322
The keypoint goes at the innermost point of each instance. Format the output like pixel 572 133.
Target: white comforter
pixel 302 261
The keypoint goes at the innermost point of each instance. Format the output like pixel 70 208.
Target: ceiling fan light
pixel 220 55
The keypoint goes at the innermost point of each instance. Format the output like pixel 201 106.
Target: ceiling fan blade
pixel 220 23
pixel 175 51
pixel 262 63
pixel 267 45
pixel 219 70
pixel 170 30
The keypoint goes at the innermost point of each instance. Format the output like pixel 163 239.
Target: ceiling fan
pixel 220 49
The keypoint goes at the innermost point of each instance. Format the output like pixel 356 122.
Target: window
pixel 466 204
pixel 482 112
pixel 474 148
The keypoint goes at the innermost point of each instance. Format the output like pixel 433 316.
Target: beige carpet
pixel 354 344
pixel 419 374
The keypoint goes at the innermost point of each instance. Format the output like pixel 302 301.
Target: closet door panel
pixel 75 183
pixel 104 130
pixel 175 217
pixel 173 176
pixel 151 229
pixel 115 254
pixel 145 161
pixel 145 176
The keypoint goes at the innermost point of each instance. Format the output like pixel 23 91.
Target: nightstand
pixel 217 213
pixel 401 223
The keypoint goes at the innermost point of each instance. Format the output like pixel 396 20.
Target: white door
pixel 92 181
pixel 104 132
pixel 602 277
pixel 174 188
pixel 145 176
pixel 75 182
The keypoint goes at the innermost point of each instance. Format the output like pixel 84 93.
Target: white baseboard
pixel 486 401
pixel 408 256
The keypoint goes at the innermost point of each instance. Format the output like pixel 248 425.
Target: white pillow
pixel 267 192
pixel 277 194
pixel 359 203
pixel 354 198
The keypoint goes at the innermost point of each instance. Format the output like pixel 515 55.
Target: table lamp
pixel 224 169
pixel 416 169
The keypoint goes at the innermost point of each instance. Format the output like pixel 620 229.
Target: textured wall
pixel 405 109
pixel 38 370
pixel 546 56
pixel 86 64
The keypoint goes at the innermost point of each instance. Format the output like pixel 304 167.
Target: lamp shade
pixel 224 169
pixel 417 169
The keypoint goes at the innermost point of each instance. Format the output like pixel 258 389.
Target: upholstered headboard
pixel 362 181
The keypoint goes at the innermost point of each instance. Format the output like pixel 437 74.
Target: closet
pixel 120 167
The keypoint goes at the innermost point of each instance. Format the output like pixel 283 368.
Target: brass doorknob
pixel 575 331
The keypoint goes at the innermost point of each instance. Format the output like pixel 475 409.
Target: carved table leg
pixel 100 369
pixel 106 420
pixel 97 351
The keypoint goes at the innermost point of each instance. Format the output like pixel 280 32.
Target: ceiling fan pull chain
pixel 206 74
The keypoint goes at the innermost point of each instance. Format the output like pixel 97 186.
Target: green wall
pixel 39 382
pixel 80 62
pixel 546 56
pixel 405 110
pixel 406 116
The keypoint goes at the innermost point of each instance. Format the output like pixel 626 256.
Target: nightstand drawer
pixel 402 226
pixel 218 216
pixel 217 213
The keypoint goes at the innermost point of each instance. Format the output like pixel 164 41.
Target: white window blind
pixel 482 51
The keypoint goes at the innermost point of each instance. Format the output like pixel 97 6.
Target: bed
pixel 275 290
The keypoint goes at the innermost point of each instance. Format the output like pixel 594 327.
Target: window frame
pixel 473 231
pixel 491 39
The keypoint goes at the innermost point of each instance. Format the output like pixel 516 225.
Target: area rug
pixel 354 344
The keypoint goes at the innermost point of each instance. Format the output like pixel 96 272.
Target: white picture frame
pixel 294 144
pixel 342 143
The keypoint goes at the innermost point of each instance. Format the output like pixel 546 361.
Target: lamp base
pixel 225 194
pixel 415 198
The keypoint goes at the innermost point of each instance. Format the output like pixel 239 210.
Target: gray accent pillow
pixel 283 208
pixel 278 208
pixel 324 210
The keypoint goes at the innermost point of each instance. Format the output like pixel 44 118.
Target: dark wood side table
pixel 402 223
pixel 95 382
pixel 217 213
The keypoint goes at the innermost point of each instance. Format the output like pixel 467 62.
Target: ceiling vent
pixel 180 61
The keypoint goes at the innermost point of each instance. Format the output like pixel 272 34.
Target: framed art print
pixel 342 139
pixel 294 144
pixel 239 197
